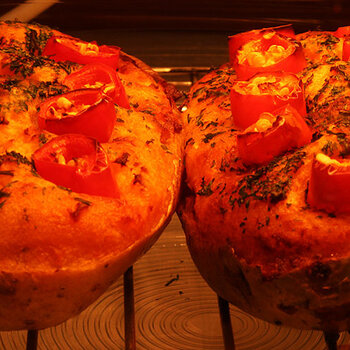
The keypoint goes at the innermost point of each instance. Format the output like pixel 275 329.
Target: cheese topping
pixel 269 85
pixel 253 54
pixel 324 159
pixel 84 48
pixel 263 124
pixel 81 163
pixel 64 107
pixel 60 159
pixel 333 164
pixel 269 34
pixel 63 102
pixel 97 84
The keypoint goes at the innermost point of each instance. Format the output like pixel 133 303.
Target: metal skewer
pixel 331 339
pixel 226 325
pixel 129 316
pixel 129 310
pixel 32 339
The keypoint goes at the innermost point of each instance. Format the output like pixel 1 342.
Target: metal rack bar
pixel 32 339
pixel 182 77
pixel 189 70
pixel 129 310
pixel 331 339
pixel 226 325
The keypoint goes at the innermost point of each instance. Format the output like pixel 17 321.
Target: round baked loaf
pixel 60 249
pixel 254 233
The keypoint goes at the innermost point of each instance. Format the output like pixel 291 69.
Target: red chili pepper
pixel 329 186
pixel 78 163
pixel 62 48
pixel 346 49
pixel 236 41
pixel 272 135
pixel 270 53
pixel 265 93
pixel 98 75
pixel 342 31
pixel 86 111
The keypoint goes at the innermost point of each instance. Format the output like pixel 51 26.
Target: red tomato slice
pixel 265 93
pixel 236 41
pixel 270 53
pixel 329 186
pixel 86 111
pixel 78 163
pixel 272 135
pixel 62 48
pixel 98 75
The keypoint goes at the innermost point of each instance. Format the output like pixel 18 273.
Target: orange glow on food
pixel 272 135
pixel 329 186
pixel 265 93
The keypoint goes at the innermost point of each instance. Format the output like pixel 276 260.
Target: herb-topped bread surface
pixel 90 168
pixel 265 205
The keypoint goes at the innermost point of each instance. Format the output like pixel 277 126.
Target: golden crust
pixel 60 250
pixel 250 231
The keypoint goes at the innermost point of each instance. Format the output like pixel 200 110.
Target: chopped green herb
pixel 84 201
pixel 42 139
pixel 210 136
pixel 7 172
pixel 329 148
pixel 18 157
pixel 270 182
pixel 165 148
pixel 206 188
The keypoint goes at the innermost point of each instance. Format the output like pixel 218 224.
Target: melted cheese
pixel 269 85
pixel 253 54
pixel 324 159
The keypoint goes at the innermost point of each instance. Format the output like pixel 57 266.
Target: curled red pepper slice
pixel 61 48
pixel 346 49
pixel 265 93
pixel 238 40
pixel 272 135
pixel 76 162
pixel 329 186
pixel 342 31
pixel 86 111
pixel 270 53
pixel 98 75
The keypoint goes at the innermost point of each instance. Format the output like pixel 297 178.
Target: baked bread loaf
pixel 265 206
pixel 77 210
